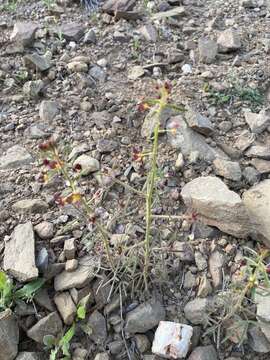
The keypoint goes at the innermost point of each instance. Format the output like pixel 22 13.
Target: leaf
pixel 53 354
pixel 3 280
pixel 49 341
pixel 64 343
pixel 81 312
pixel 29 290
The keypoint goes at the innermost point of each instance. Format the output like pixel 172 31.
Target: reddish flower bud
pixel 267 269
pixel 168 87
pixel 46 162
pixel 77 167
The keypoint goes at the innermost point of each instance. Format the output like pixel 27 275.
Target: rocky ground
pixel 79 76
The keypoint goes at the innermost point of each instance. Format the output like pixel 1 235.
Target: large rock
pixel 228 169
pixel 257 200
pixel 36 62
pixel 23 33
pixel 15 157
pixel 181 137
pixel 9 335
pixel 49 325
pixel 31 206
pixel 144 317
pixel 78 278
pixel 19 256
pixel 216 205
pixel 196 311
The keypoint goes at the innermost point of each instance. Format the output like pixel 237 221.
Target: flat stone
pixel 71 31
pixel 256 201
pixel 229 40
pixel 262 166
pixel 144 317
pixel 49 325
pixel 107 146
pixel 36 62
pixel 228 169
pixel 45 230
pixel 251 175
pixel 149 32
pixel 216 205
pixel 112 6
pixel 97 323
pixel 32 206
pixel 24 33
pixel 66 307
pixel 196 311
pixel 244 140
pixel 42 299
pixel 28 356
pixel 15 157
pixel 216 264
pixel 70 248
pixel 259 151
pixel 9 335
pixel 19 255
pixel 78 278
pixel 207 50
pixel 258 122
pixel 135 72
pixel 198 122
pixel 181 137
pixel 48 110
pixel 176 13
pixel 204 353
pixel 33 88
pixel 88 164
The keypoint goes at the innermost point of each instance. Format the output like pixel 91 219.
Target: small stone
pixel 196 311
pixel 19 255
pixel 88 164
pixel 36 62
pixel 262 166
pixel 144 317
pixel 48 110
pixel 80 354
pixel 216 205
pixel 149 32
pixel 107 146
pixel 216 264
pixel 190 280
pixel 187 69
pixel 9 335
pixel 78 294
pixel 142 343
pixel 66 307
pixel 33 88
pixel 172 340
pixel 259 151
pixel 136 72
pixel 204 353
pixel 77 67
pixel 257 340
pixel 42 299
pixel 228 169
pixel 198 122
pixel 71 31
pixel 180 162
pixel 42 260
pixel 78 278
pixel 183 251
pixel 28 356
pixel 258 122
pixel 102 356
pixel 97 324
pixel 32 206
pixel 207 50
pixel 251 175
pixel 24 33
pixel 71 265
pixel 44 230
pixel 70 248
pixel 244 140
pixel 15 157
pixel 90 37
pixel 200 261
pixel 97 73
pixel 49 325
pixel 205 288
pixel 229 40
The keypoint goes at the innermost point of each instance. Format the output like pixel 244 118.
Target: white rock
pixel 187 69
pixel 172 340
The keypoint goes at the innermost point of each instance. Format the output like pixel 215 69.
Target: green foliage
pixel 28 291
pixel 6 288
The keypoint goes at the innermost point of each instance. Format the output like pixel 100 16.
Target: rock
pixel 71 31
pixel 42 260
pixel 32 206
pixel 228 169
pixel 33 88
pixel 216 205
pixel 144 317
pixel 256 201
pixel 251 175
pixel 70 248
pixel 229 40
pixel 80 354
pixel 204 353
pixel 23 33
pixel 88 164
pixel 102 119
pixel 142 343
pixel 262 300
pixel 205 287
pixel 183 251
pixel 44 230
pixel 102 356
pixel 42 299
pixel 135 72
pixel 36 62
pixel 187 69
pixel 38 131
pixel 15 157
pixel 200 261
pixel 262 166
pixel 176 13
pixel 19 255
pixel 257 340
pixel 97 324
pixel 258 122
pixel 216 264
pixel 48 110
pixel 181 137
pixel 149 32
pixel 107 146
pixel 9 335
pixel 28 356
pixel 71 265
pixel 78 278
pixel 259 151
pixel 196 311
pixel 198 122
pixel 207 50
pixel 190 280
pixel 49 325
pixel 90 37
pixel 66 307
pixel 151 119
pixel 172 340
pixel 202 231
pixel 112 6
pixel 244 140
pixel 97 73
pixel 77 67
